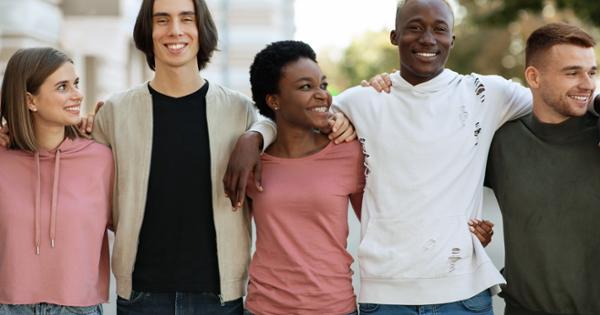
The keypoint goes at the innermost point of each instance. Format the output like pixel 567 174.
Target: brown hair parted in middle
pixel 553 34
pixel 207 32
pixel 25 72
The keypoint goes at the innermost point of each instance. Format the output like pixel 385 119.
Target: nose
pixel 427 38
pixel 175 29
pixel 321 94
pixel 589 82
pixel 77 95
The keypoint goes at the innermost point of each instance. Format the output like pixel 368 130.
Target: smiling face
pixel 57 102
pixel 424 38
pixel 563 82
pixel 174 34
pixel 303 100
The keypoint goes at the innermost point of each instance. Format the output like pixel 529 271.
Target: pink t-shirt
pixel 301 265
pixel 54 212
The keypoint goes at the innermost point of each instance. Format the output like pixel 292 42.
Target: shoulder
pixel 129 96
pixel 347 151
pixel 220 93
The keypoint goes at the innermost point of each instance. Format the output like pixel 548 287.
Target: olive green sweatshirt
pixel 546 178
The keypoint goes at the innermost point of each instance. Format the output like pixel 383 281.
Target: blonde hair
pixel 25 72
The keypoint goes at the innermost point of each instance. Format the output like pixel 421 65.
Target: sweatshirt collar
pixel 555 132
pixel 440 82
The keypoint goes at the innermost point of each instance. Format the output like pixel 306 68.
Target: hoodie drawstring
pixel 38 201
pixel 37 209
pixel 54 198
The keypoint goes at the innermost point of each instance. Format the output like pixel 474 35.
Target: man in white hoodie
pixel 426 145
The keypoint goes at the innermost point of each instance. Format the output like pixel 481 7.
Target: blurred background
pixel 351 38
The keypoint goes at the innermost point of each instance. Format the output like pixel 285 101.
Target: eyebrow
pixel 164 14
pixel 569 68
pixel 65 81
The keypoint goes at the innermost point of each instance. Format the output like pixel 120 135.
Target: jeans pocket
pixel 135 297
pixel 368 308
pixel 480 303
pixel 83 310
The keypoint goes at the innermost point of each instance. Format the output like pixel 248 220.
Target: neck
pixel 176 82
pixel 546 114
pixel 49 138
pixel 295 143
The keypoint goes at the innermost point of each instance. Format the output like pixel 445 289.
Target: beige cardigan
pixel 125 124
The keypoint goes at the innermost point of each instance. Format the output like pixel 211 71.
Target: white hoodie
pixel 426 148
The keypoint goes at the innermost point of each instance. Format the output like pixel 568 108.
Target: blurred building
pixel 97 35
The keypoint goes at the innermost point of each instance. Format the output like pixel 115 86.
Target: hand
pixel 380 82
pixel 244 160
pixel 340 129
pixel 483 229
pixel 4 139
pixel 87 122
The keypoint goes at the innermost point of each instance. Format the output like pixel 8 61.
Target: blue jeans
pixel 479 304
pixel 49 309
pixel 142 303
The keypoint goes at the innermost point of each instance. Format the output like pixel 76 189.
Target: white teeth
pixel 73 108
pixel 175 46
pixel 321 109
pixel 427 54
pixel 579 98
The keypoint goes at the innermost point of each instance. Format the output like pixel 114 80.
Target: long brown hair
pixel 25 72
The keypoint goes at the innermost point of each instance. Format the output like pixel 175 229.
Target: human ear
pixel 30 100
pixel 272 101
pixel 532 76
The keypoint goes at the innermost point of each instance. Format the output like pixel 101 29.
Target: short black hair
pixel 403 3
pixel 265 71
pixel 207 32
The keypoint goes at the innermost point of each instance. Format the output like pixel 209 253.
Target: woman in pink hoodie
pixel 55 192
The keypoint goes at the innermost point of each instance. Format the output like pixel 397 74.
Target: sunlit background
pixel 350 36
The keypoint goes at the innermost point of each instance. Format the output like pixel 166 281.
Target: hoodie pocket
pixel 426 248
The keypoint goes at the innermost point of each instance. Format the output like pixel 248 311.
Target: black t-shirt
pixel 177 250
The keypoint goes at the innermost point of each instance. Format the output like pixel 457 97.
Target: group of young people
pixel 193 162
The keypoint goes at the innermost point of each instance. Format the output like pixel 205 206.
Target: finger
pixel 490 223
pixel 89 123
pixel 99 105
pixel 364 83
pixel 242 181
pixel 338 122
pixel 477 234
pixel 82 125
pixel 485 227
pixel 387 81
pixel 480 230
pixel 257 176
pixel 346 134
pixel 351 137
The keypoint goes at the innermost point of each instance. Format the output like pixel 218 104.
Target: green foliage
pixel 502 12
pixel 368 55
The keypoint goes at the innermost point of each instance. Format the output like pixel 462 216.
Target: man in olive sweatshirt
pixel 545 171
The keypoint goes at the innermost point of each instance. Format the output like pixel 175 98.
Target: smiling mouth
pixel 73 109
pixel 320 109
pixel 426 54
pixel 175 48
pixel 580 98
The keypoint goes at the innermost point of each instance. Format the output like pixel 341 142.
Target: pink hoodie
pixel 54 212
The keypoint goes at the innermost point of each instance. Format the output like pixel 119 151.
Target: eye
pixel 305 87
pixel 415 28
pixel 188 19
pixel 593 73
pixel 161 21
pixel 61 87
pixel 76 84
pixel 324 85
pixel 441 29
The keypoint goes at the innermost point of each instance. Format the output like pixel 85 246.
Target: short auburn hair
pixel 554 34
pixel 207 32
pixel 26 71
